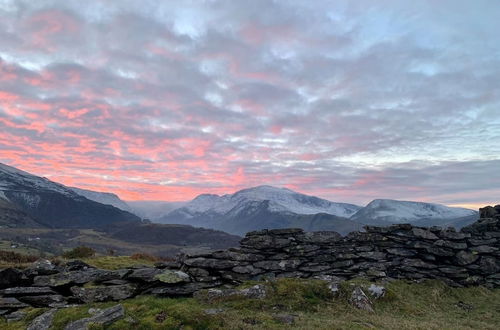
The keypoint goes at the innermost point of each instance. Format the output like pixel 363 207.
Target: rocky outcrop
pixel 460 258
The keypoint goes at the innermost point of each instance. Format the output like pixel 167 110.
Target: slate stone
pixel 44 321
pixel 211 263
pixel 143 274
pixel 285 265
pixel 465 258
pixel 184 289
pixel 401 252
pixel 360 300
pixel 483 249
pixel 103 293
pixel 451 245
pixel 10 277
pixel 51 300
pixel 11 303
pixel 26 291
pixel 74 277
pixel 102 318
pixel 424 233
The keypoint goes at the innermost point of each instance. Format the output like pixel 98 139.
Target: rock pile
pixel 468 257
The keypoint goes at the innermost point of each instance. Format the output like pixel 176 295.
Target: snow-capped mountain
pixel 387 211
pixel 53 204
pixel 260 207
pixel 281 200
pixel 103 198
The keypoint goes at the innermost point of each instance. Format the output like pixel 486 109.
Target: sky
pixel 346 100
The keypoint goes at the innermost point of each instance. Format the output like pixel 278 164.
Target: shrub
pixel 14 257
pixel 79 252
pixel 145 256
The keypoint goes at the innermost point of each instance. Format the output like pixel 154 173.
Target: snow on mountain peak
pixel 398 211
pixel 282 199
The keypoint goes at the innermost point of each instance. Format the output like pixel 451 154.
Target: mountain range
pixel 36 201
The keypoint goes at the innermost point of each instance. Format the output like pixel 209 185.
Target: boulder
pixel 102 318
pixel 103 293
pixel 11 303
pixel 10 277
pixel 360 300
pixel 41 267
pixel 44 321
pixel 465 258
pixel 172 276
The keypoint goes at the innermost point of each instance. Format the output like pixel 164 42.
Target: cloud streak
pixel 348 100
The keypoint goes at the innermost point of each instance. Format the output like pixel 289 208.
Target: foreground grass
pixel 428 305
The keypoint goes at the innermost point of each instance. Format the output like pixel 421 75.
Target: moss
pixel 113 263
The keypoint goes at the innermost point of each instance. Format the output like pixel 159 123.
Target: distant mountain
pixel 383 212
pixel 153 210
pixel 54 205
pixel 264 207
pixel 103 198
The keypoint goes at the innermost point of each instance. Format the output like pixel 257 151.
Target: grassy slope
pixel 429 305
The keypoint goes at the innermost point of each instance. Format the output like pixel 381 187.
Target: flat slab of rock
pixel 26 291
pixel 52 300
pixel 75 277
pixel 103 293
pixel 102 317
pixel 360 300
pixel 44 321
pixel 11 303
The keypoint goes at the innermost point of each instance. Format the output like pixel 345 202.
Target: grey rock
pixel 343 264
pixel 465 258
pixel 453 235
pixel 172 276
pixel 15 316
pixel 360 300
pixel 11 303
pixel 373 255
pixel 236 256
pixel 26 291
pixel 401 252
pixel 482 241
pixel 489 265
pixel 44 321
pixel 483 249
pixel 144 274
pixel 417 263
pixel 51 300
pixel 451 245
pixel 103 317
pixel 10 277
pixel 184 289
pixel 76 265
pixel 249 269
pixel 285 265
pixel 424 233
pixel 74 277
pixel 103 293
pixel 211 263
pixel 41 267
pixel 376 291
pixel 255 292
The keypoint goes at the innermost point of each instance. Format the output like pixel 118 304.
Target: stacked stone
pixel 468 257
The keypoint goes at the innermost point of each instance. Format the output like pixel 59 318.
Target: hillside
pixel 54 205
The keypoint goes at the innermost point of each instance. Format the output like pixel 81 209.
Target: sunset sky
pixel 346 100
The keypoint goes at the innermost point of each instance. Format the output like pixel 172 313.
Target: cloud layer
pixel 349 100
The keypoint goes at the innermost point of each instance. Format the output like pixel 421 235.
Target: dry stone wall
pixel 467 257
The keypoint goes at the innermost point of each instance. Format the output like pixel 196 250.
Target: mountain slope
pixel 263 207
pixel 153 210
pixel 53 204
pixel 103 198
pixel 387 211
pixel 12 217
